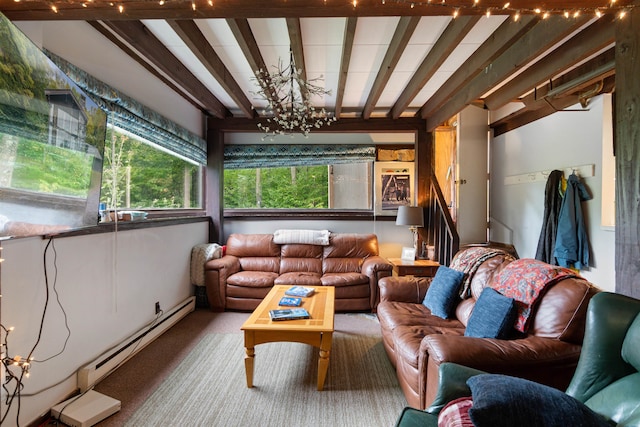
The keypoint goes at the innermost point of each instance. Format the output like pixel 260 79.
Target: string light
pixel 455 10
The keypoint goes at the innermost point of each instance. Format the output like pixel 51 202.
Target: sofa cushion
pixel 442 295
pixel 500 400
pixel 343 279
pixel 300 278
pixel 493 316
pixel 252 279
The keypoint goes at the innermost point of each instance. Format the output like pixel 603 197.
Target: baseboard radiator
pixel 107 362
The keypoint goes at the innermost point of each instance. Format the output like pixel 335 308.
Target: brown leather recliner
pixel 253 263
pixel 418 342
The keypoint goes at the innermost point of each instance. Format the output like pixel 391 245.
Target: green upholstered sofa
pixel 607 379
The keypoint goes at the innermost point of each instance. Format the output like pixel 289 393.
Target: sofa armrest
pixel 376 267
pixel 404 289
pixel 543 360
pixel 494 355
pixel 216 272
pixel 452 385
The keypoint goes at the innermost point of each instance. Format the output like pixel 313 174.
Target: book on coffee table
pixel 290 301
pixel 299 291
pixel 289 314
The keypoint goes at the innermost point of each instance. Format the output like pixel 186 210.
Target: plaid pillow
pixel 456 413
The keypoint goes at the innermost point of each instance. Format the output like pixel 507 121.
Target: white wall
pixel 559 141
pixel 107 284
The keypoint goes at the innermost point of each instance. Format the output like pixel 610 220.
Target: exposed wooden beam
pixel 586 43
pixel 347 125
pixel 244 36
pixel 198 44
pixel 136 34
pixel 491 49
pixel 544 107
pixel 295 40
pixel 244 9
pixel 347 48
pixel 561 93
pixel 447 42
pixel 542 36
pixel 404 31
pixel 126 49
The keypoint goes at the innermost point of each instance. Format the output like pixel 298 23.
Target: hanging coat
pixel 552 204
pixel 572 242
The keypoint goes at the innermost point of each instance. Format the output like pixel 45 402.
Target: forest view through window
pixel 138 174
pixel 339 186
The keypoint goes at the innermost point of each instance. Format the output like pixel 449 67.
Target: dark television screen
pixel 51 143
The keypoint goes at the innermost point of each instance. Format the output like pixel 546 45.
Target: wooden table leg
pixel 249 357
pixel 323 361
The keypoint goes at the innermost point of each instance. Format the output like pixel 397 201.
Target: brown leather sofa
pixel 253 263
pixel 418 342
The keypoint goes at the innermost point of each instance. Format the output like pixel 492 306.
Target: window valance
pixel 272 155
pixel 130 115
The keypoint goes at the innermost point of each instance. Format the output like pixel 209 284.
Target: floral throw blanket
pixel 525 280
pixel 468 261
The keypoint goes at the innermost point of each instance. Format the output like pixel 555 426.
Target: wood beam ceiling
pixel 533 43
pixel 404 30
pixel 136 34
pixel 345 60
pixel 583 45
pixel 191 35
pixel 447 42
pixel 489 51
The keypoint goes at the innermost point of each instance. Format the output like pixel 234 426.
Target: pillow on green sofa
pixel 442 295
pixel 493 316
pixel 500 400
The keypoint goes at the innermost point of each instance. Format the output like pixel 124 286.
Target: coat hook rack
pixel 583 171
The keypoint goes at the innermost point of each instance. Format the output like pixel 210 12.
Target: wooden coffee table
pixel 316 331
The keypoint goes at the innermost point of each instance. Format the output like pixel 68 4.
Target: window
pixel 138 174
pixel 338 186
pixel 51 142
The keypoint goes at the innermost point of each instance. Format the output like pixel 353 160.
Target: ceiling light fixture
pixel 288 95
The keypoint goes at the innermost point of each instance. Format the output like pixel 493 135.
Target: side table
pixel 419 267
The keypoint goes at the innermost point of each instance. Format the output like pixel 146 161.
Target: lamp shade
pixel 411 216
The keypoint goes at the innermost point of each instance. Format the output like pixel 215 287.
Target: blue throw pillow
pixel 493 316
pixel 500 400
pixel 442 295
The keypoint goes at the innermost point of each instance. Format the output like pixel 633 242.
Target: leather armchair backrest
pixel 609 318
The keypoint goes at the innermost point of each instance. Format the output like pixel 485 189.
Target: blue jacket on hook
pixel 572 242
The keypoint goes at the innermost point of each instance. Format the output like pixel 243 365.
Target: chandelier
pixel 288 95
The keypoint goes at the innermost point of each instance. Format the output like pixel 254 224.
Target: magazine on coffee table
pixel 299 291
pixel 289 314
pixel 290 301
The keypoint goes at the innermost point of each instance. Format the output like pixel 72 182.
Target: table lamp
pixel 412 217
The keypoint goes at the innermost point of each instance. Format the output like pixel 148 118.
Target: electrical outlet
pixel 158 307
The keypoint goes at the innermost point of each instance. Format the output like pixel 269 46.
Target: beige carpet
pixel 208 387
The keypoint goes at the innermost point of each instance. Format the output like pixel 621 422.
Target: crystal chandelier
pixel 288 97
